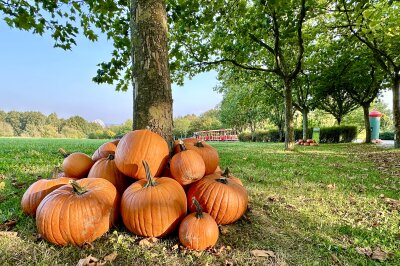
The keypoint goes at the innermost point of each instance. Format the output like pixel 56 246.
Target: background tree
pixel 268 38
pixel 376 25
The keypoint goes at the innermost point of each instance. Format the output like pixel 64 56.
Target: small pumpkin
pixel 40 189
pixel 187 166
pixel 153 208
pixel 77 213
pixel 225 200
pixel 198 230
pixel 105 168
pixel 207 152
pixel 77 164
pixel 104 150
pixel 140 145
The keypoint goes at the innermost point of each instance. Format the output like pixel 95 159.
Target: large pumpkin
pixel 140 145
pixel 104 150
pixel 207 152
pixel 40 189
pixel 77 164
pixel 77 213
pixel 187 166
pixel 153 208
pixel 105 168
pixel 225 200
pixel 198 230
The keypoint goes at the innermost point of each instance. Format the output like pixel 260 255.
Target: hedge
pixel 388 135
pixel 327 135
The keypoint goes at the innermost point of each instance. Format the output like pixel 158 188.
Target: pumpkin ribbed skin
pixel 137 146
pixel 187 167
pixel 104 150
pixel 105 168
pixel 207 152
pixel 225 200
pixel 77 165
pixel 153 209
pixel 198 230
pixel 37 191
pixel 64 217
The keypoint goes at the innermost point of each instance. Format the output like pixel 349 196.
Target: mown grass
pixel 314 206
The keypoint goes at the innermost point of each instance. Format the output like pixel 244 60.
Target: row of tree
pixel 288 46
pixel 36 124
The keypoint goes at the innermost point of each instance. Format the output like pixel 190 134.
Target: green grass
pixel 307 206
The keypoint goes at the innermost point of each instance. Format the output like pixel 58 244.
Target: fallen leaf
pixel 9 224
pixel 379 255
pixel 148 242
pixel 290 206
pixel 111 257
pixel 90 261
pixel 331 186
pixel 228 263
pixel 263 253
pixel 216 251
pixel 335 260
pixel 223 230
pixel 8 234
pixel 392 203
pixel 88 245
pixel 18 184
pixel 364 251
pixel 175 247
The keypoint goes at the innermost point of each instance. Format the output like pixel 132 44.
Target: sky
pixel 34 76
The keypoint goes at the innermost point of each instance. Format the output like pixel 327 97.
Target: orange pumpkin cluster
pixel 308 142
pixel 135 178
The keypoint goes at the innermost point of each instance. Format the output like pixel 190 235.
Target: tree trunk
pixel 253 131
pixel 339 120
pixel 305 122
pixel 289 132
pixel 152 96
pixel 396 109
pixel 366 123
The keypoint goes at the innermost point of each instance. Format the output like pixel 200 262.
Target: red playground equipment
pixel 217 135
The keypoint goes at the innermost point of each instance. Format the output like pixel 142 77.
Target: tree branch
pixel 300 40
pixel 235 63
pixel 263 44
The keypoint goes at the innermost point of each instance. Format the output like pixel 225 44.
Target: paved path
pixel 387 143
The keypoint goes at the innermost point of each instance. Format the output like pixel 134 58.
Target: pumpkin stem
pixel 222 180
pixel 182 145
pixel 199 144
pixel 63 152
pixel 56 170
pixel 226 173
pixel 111 157
pixel 199 209
pixel 77 188
pixel 150 179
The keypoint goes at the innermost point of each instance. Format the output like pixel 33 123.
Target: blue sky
pixel 35 76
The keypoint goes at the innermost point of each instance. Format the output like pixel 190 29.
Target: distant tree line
pixel 38 125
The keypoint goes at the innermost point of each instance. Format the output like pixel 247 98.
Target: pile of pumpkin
pixel 135 178
pixel 308 142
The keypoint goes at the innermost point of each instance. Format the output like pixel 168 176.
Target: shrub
pixel 245 136
pixel 388 135
pixel 338 134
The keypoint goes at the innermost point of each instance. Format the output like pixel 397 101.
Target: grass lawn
pixel 324 205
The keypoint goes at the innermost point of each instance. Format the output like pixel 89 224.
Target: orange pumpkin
pixel 77 213
pixel 207 152
pixel 40 189
pixel 153 208
pixel 187 166
pixel 225 200
pixel 104 150
pixel 198 230
pixel 105 168
pixel 77 164
pixel 140 145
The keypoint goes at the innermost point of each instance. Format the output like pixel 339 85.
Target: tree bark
pixel 289 132
pixel 152 96
pixel 396 108
pixel 366 123
pixel 305 122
